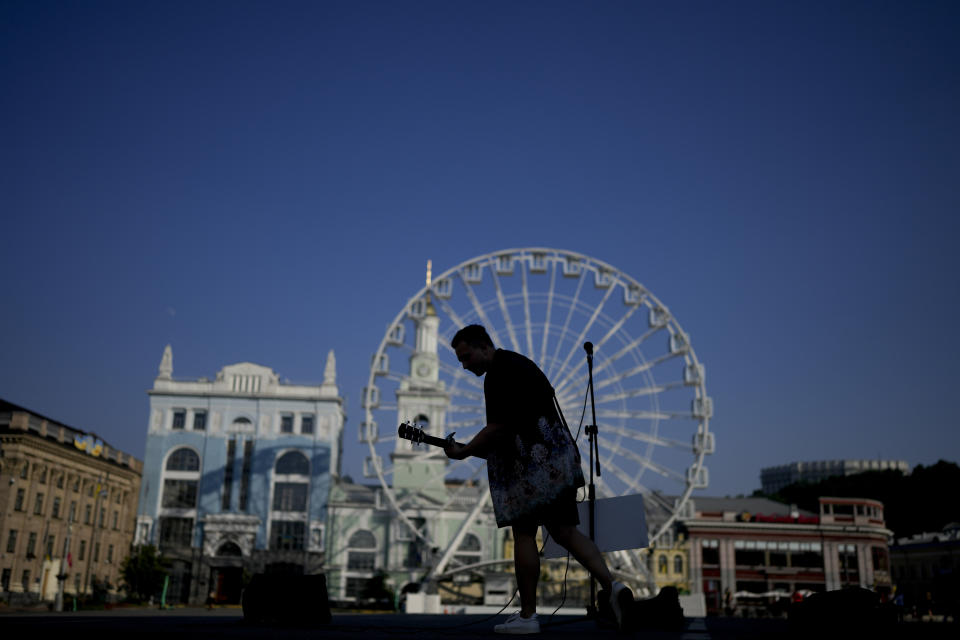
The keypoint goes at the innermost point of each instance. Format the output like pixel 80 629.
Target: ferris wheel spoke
pixel 478 309
pixel 463 393
pixel 546 323
pixel 643 461
pixel 639 392
pixel 503 309
pixel 640 368
pixel 526 310
pixel 628 348
pixel 566 323
pixel 623 476
pixel 454 318
pixel 460 375
pixel 599 345
pixel 644 437
pixel 641 414
pixel 583 334
pixel 609 362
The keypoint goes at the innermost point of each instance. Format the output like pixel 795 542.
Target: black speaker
pixel 286 600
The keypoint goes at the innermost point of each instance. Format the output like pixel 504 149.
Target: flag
pixel 70 560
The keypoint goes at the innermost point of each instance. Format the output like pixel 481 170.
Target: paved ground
pixel 137 624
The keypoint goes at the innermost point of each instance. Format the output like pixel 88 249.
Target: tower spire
pixel 430 310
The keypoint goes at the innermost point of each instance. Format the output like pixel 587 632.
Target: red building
pixel 754 551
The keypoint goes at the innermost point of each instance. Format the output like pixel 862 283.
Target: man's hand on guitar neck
pixel 482 443
pixel 454 450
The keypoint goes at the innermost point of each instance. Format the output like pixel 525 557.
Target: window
pixel 176 532
pixel 179 494
pixel 38 505
pixel 678 564
pixel 183 459
pixel 76 485
pixel 290 496
pixel 59 481
pixel 50 542
pixel 356 587
pixel 116 520
pixel 103 513
pixel 12 541
pixel 287 535
pixel 662 564
pixel 245 478
pixel 306 424
pixel 96 552
pixel 228 475
pixel 73 511
pixel 293 463
pixel 199 420
pixel 18 503
pixel 711 552
pixel 25 580
pixel 5 581
pixel 32 544
pixel 179 418
pixel 43 476
pixel 109 554
pixel 362 551
pixel 82 553
pixel 286 423
pixel 25 472
pixel 87 514
pixel 56 508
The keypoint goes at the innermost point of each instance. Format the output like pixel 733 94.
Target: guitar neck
pixel 434 441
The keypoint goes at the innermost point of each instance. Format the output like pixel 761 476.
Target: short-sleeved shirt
pixel 535 459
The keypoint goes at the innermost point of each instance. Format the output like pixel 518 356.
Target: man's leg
pixel 584 551
pixel 526 563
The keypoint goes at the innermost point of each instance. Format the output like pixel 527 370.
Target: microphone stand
pixel 592 611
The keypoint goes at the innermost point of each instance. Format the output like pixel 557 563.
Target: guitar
pixel 416 435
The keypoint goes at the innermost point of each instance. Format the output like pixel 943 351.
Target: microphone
pixel 588 347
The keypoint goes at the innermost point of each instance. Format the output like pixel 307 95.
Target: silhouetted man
pixel 533 467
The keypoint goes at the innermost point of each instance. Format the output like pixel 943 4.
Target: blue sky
pixel 265 182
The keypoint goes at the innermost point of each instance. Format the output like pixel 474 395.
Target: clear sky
pixel 265 181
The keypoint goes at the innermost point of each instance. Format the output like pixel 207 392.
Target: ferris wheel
pixel 652 407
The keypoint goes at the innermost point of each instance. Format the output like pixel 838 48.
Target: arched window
pixel 183 459
pixel 662 564
pixel 288 526
pixel 178 502
pixel 678 564
pixel 362 554
pixel 292 463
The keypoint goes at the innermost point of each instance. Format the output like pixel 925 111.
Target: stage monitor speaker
pixel 286 600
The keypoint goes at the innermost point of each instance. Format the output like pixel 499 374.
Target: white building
pixel 237 474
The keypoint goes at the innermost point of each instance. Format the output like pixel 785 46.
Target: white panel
pixel 699 478
pixel 504 264
pixel 473 273
pixel 693 374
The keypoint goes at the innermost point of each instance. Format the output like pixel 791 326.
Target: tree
pixel 143 573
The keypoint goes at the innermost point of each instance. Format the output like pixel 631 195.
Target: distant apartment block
pixel 772 479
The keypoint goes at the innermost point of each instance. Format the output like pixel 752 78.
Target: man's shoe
pixel 517 625
pixel 621 599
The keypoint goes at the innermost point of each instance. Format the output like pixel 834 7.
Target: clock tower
pixel 422 399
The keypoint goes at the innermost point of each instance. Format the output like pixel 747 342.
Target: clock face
pixel 423 369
